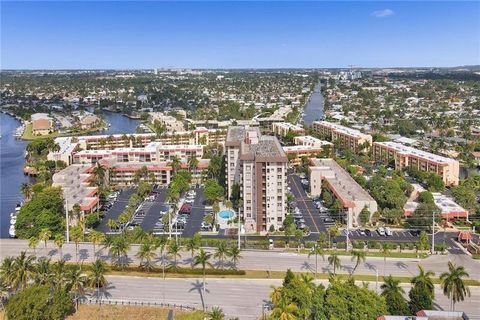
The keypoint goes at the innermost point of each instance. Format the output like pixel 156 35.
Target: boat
pixel 11 231
pixel 13 220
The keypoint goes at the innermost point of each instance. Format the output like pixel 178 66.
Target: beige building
pixel 65 154
pixel 310 141
pixel 169 122
pixel 352 196
pixel 402 156
pixel 281 129
pixel 346 137
pixel 259 165
pixel 89 121
pixel 42 124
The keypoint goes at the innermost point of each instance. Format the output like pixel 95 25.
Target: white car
pixel 388 231
pixel 381 231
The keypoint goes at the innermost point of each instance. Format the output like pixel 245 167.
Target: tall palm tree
pixel 216 314
pixel 424 281
pixel 23 269
pixel 77 283
pixel 221 253
pixel 59 241
pixel 45 235
pixel 192 245
pixel 235 254
pixel 175 163
pixel 59 273
pixel 97 238
pixel 26 190
pixel 358 256
pixel 76 234
pixel 391 287
pixel 118 250
pixel 317 251
pixel 394 296
pixel 146 254
pixel 161 244
pixel 334 260
pixel 33 243
pixel 453 283
pixel 6 272
pixel 203 259
pixel 173 251
pixel 284 311
pixel 112 224
pixel 96 276
pixel 192 163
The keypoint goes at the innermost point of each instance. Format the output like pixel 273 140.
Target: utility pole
pixel 67 222
pixel 348 230
pixel 433 232
pixel 238 218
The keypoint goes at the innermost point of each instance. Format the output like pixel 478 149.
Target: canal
pixel 314 108
pixel 12 160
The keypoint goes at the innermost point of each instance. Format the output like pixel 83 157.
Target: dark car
pixel 368 233
pixel 415 233
pixel 328 220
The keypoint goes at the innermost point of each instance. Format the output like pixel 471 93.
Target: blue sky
pixel 152 34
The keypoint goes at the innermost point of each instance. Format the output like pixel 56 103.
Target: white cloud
pixel 383 13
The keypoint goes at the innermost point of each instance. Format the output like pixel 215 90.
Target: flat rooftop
pixel 289 126
pixel 310 139
pixel 343 129
pixel 300 148
pixel 406 150
pixel 267 148
pixel 236 134
pixel 347 188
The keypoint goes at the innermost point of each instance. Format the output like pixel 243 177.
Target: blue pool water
pixel 226 214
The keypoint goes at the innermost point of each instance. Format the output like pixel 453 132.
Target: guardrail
pixel 119 302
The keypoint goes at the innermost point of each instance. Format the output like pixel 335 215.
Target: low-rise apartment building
pixel 310 141
pixel 352 196
pixel 401 156
pixel 42 124
pixel 170 123
pixel 449 209
pixel 259 165
pixel 65 153
pixel 296 153
pixel 281 129
pixel 346 137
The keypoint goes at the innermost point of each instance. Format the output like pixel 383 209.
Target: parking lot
pixel 194 222
pixel 399 236
pixel 116 209
pixel 311 214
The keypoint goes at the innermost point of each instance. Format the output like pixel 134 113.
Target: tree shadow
pixel 52 252
pixel 83 254
pixel 308 266
pixel 198 286
pixel 401 265
pixel 370 266
pixel 349 269
pixel 67 257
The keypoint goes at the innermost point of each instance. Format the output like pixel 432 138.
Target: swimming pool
pixel 226 214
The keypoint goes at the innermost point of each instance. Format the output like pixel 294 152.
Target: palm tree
pixel 77 283
pixel 97 238
pixel 161 243
pixel 59 273
pixel 146 254
pixel 175 163
pixel 99 174
pixel 43 272
pixel 193 244
pixel 317 251
pixel 119 249
pixel 192 163
pixel 276 294
pixel 453 284
pixel 284 311
pixel 112 224
pixel 59 241
pixel 6 272
pixel 173 251
pixel 235 254
pixel 203 258
pixel 216 314
pixel 45 235
pixel 96 277
pixel 358 256
pixel 222 252
pixel 76 234
pixel 26 190
pixel 23 269
pixel 424 281
pixel 33 243
pixel 334 260
pixel 391 287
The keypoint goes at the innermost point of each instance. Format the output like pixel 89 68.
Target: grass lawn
pixel 110 312
pixel 377 254
pixel 28 134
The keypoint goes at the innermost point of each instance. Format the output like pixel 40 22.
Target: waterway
pixel 314 108
pixel 12 160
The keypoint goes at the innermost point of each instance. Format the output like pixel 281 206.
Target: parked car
pixel 328 219
pixel 362 232
pixel 388 231
pixel 368 232
pixel 415 233
pixel 381 231
pixel 206 226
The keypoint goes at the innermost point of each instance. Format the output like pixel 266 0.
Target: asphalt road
pixel 305 204
pixel 243 298
pixel 194 222
pixel 270 260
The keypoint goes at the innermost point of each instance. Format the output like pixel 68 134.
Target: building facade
pixel 401 157
pixel 345 137
pixel 281 129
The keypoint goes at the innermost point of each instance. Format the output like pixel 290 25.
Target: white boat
pixel 11 231
pixel 13 220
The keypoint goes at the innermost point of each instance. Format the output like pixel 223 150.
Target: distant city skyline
pixel 209 35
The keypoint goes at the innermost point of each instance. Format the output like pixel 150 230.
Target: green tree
pixel 359 256
pixel 453 283
pixel 96 238
pixel 334 261
pixel 45 235
pixel 76 233
pixel 146 254
pixel 213 191
pixel 193 244
pixel 203 259
pixel 393 294
pixel 39 302
pixel 284 311
pixel 173 251
pixel 422 292
pixel 221 253
pixel 364 216
pixel 235 254
pixel 119 251
pixel 33 243
pixel 77 283
pixel 96 277
pixel 317 250
pixel 215 314
pixel 23 270
pixel 59 241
